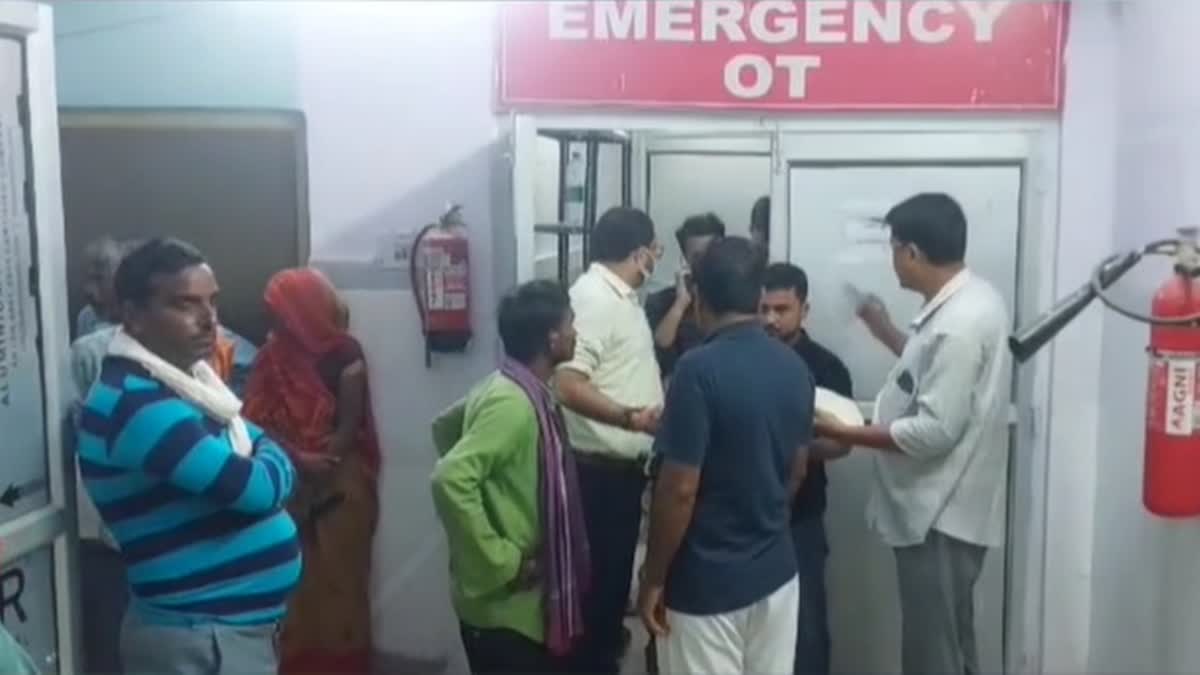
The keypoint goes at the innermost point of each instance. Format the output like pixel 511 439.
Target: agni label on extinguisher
pixel 1173 395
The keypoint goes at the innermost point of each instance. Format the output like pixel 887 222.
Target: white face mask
pixel 646 270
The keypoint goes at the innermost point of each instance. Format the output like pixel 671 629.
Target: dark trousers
pixel 812 629
pixel 612 502
pixel 104 598
pixel 501 651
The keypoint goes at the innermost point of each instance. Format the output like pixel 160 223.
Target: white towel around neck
pixel 202 387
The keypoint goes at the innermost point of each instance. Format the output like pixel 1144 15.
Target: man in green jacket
pixel 506 492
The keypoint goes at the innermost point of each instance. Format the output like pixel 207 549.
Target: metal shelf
pixel 591 138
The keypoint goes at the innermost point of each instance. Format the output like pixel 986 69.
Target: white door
pixel 835 185
pixel 692 174
pixel 36 560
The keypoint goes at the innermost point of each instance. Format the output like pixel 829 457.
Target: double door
pixel 828 192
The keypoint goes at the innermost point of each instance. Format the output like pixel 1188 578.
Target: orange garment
pixel 222 358
pixel 292 395
pixel 286 393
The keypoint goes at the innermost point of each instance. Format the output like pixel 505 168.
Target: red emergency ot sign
pixel 783 54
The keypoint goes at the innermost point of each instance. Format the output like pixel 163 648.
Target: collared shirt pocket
pixel 899 395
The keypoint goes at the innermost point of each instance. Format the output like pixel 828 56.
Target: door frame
pixel 54 524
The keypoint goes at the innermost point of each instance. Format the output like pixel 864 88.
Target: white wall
pixel 126 53
pixel 1146 582
pixel 1086 171
pixel 398 101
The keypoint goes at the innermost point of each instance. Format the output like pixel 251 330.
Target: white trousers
pixel 757 640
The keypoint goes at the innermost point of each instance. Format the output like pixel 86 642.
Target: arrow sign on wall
pixel 15 493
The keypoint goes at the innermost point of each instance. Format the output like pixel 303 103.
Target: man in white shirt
pixel 613 394
pixel 940 423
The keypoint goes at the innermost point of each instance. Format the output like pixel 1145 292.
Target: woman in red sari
pixel 308 390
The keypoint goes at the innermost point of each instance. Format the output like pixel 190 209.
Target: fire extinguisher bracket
pixel 1171 473
pixel 1187 265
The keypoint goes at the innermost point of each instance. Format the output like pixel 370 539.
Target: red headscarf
pixel 285 394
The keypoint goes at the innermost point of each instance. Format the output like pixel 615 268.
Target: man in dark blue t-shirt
pixel 719 586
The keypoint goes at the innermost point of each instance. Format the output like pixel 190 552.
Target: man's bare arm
pixel 670 514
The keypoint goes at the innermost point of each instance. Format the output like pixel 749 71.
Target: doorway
pixel 828 179
pixel 686 175
pixel 838 187
pixel 234 183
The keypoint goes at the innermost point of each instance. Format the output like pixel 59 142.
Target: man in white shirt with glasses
pixel 612 391
pixel 941 429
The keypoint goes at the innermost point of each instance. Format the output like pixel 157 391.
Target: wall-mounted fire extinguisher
pixel 1171 472
pixel 441 283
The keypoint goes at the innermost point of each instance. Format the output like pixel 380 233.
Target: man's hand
pixel 874 313
pixel 826 425
pixel 338 445
pixel 528 576
pixel 652 610
pixel 646 420
pixel 683 294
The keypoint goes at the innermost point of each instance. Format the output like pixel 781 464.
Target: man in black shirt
pixel 784 309
pixel 670 310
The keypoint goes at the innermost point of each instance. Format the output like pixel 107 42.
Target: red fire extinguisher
pixel 1171 472
pixel 1171 482
pixel 441 283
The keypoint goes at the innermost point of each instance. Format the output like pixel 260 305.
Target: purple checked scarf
pixel 564 563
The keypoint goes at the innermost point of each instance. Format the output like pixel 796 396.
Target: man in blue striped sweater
pixel 191 492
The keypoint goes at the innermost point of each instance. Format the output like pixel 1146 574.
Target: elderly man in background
pixel 613 393
pixel 101 258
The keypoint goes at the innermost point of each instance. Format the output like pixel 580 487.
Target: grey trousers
pixel 937 605
pixel 150 649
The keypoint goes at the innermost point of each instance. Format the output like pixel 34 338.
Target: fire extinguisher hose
pixel 1176 248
